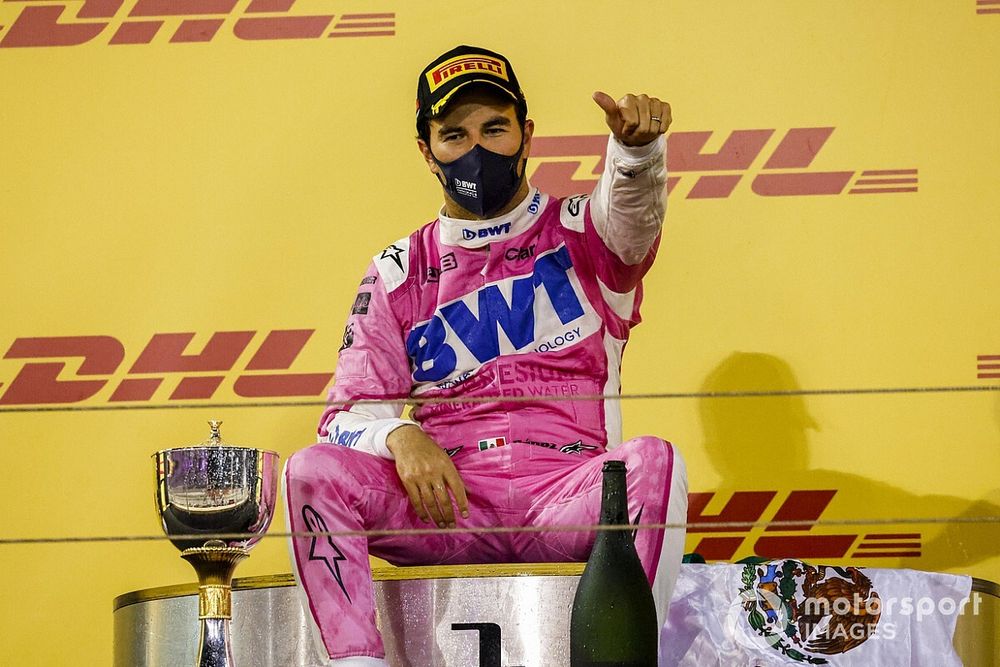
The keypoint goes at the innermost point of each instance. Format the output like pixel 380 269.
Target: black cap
pixel 459 67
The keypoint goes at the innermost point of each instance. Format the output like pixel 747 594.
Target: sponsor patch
pixel 361 303
pixel 560 340
pixel 535 201
pixel 537 443
pixel 467 188
pixel 369 280
pixel 324 549
pixel 345 438
pixel 393 252
pixel 576 448
pixel 464 65
pixel 454 382
pixel 504 318
pixel 348 336
pixel 486 232
pixel 448 262
pixel 520 253
pixel 492 443
pixel 393 264
pixel 571 212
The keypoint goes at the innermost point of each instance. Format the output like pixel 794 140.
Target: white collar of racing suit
pixel 478 233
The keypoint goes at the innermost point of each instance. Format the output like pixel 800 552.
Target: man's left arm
pixel 629 203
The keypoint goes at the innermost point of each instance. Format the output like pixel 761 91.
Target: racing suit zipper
pixel 486 264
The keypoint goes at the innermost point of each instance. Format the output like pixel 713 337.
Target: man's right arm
pixel 373 366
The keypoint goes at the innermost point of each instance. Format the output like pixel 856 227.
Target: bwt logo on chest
pixel 465 333
pixel 486 232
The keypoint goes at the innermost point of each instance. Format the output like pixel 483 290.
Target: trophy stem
pixel 215 566
pixel 216 648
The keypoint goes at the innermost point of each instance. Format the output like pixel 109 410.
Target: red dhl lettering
pixel 466 64
pixel 806 506
pixel 40 382
pixel 141 20
pixel 783 173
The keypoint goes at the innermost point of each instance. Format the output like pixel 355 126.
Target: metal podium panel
pixel 269 629
pixel 490 622
pixel 509 620
pixel 462 616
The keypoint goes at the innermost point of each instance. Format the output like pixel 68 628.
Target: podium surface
pixel 514 615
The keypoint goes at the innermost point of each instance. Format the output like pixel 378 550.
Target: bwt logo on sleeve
pixel 543 306
pixel 140 21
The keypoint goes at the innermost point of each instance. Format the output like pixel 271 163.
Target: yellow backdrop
pixel 191 189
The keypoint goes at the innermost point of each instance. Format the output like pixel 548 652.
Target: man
pixel 512 298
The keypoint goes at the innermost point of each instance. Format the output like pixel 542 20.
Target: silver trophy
pixel 209 490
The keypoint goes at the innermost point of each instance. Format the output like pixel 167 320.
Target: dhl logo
pixel 462 64
pixel 40 382
pixel 716 175
pixel 806 506
pixel 139 22
pixel 988 366
pixel 988 6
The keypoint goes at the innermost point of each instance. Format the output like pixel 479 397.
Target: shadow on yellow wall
pixel 760 448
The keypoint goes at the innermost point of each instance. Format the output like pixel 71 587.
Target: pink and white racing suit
pixel 537 305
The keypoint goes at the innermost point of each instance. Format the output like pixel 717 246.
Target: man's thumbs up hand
pixel 635 120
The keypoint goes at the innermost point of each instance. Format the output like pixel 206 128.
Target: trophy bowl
pixel 215 489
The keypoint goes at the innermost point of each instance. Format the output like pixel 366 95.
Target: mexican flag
pixel 786 612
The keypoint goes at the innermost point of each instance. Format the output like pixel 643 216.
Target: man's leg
pixel 334 488
pixel 562 492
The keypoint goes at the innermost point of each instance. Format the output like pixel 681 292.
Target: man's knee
pixel 310 464
pixel 650 456
pixel 655 467
pixel 323 468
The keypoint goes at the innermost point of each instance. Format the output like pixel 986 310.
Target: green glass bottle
pixel 614 619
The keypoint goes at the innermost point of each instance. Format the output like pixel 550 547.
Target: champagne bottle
pixel 614 619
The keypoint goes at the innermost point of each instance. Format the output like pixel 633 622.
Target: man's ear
pixel 425 151
pixel 529 131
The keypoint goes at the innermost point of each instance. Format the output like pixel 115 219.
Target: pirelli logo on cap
pixel 467 64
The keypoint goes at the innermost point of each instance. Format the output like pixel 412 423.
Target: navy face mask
pixel 481 181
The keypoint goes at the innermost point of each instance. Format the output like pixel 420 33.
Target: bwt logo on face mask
pixel 467 188
pixel 486 232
